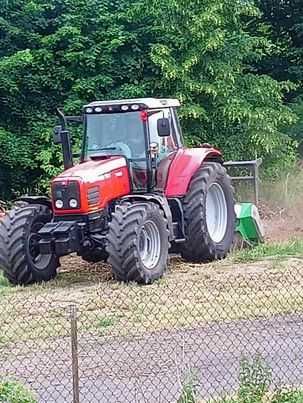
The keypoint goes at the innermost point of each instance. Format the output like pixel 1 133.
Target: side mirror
pixel 57 137
pixel 163 126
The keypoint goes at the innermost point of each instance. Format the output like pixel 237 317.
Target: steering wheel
pixel 118 146
pixel 124 148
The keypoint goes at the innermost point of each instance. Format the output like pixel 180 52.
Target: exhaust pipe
pixel 62 136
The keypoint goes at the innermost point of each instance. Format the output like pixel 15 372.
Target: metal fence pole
pixel 74 345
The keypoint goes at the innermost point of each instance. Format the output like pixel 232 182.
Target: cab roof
pixel 150 103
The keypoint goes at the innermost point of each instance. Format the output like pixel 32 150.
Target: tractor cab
pixel 144 131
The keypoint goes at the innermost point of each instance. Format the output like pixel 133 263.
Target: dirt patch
pixel 281 207
pixel 282 223
pixel 283 228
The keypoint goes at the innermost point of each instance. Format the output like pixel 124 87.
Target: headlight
pixel 73 203
pixel 59 204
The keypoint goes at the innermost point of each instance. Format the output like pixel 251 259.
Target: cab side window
pixel 166 144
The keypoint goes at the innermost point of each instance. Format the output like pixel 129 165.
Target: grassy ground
pixel 275 251
pixel 250 284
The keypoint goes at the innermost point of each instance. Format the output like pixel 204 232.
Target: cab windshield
pixel 118 133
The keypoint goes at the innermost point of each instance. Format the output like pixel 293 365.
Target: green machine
pixel 249 226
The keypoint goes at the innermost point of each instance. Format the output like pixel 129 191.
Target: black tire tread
pixel 199 247
pixel 123 232
pixel 13 231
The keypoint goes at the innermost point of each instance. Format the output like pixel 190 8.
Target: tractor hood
pixel 93 170
pixel 90 186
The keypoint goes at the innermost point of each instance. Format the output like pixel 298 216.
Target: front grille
pixel 65 192
pixel 93 195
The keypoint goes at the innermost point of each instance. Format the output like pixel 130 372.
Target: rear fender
pixel 45 201
pixel 185 165
pixel 161 201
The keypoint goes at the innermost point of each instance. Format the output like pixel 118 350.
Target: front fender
pixel 45 201
pixel 161 201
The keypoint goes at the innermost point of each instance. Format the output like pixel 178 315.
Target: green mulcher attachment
pixel 249 227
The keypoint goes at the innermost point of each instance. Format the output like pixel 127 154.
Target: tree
pixel 68 52
pixel 203 53
pixel 283 22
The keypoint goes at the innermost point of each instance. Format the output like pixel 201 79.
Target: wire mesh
pixel 188 333
pixel 35 344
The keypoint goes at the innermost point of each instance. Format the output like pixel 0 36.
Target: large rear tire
pixel 209 215
pixel 138 243
pixel 20 259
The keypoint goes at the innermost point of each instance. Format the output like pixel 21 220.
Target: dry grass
pixel 281 205
pixel 187 296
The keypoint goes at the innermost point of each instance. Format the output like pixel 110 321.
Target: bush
pixel 14 392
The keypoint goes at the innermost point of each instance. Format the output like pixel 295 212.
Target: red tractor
pixel 136 195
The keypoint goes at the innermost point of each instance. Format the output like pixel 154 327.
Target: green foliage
pixel 254 387
pixel 3 281
pixel 288 396
pixel 106 321
pixel 282 24
pixel 189 392
pixel 255 378
pixel 273 250
pixel 282 21
pixel 13 392
pixel 204 62
pixel 295 131
pixel 66 53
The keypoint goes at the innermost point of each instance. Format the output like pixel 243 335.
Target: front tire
pixel 20 259
pixel 138 243
pixel 209 215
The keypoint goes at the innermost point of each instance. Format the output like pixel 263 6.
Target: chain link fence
pixel 87 338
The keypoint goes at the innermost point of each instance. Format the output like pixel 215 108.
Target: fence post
pixel 74 345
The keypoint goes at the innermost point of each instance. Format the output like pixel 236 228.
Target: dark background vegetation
pixel 236 66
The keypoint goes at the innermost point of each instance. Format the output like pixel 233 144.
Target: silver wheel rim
pixel 216 213
pixel 149 244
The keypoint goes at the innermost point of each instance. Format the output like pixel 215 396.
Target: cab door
pixel 167 146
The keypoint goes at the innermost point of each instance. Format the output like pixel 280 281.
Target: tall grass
pixel 284 192
pixel 3 281
pixel 278 250
pixel 255 380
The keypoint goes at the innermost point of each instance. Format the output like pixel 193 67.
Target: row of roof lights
pixel 123 108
